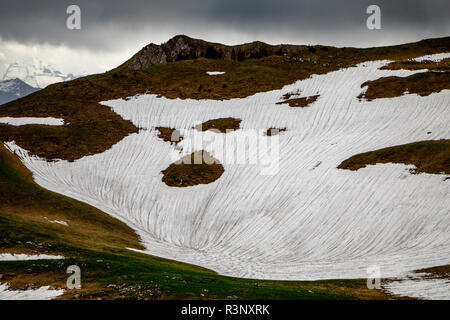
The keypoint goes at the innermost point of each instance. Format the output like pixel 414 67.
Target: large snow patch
pixel 310 220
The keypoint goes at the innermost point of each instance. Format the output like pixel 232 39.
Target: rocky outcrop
pixel 184 48
pixel 149 56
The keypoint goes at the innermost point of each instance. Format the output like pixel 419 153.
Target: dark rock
pixel 29 286
pixel 151 55
pixel 184 48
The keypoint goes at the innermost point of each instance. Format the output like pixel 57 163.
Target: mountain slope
pixel 34 73
pixel 14 89
pixel 182 47
pixel 97 243
pixel 93 128
pixel 308 219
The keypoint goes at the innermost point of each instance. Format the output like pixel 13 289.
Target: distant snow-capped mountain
pixel 14 89
pixel 36 74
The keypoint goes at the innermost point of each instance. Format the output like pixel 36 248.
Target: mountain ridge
pixel 35 73
pixel 182 47
pixel 92 128
pixel 14 89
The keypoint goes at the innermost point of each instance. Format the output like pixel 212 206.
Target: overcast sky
pixel 113 30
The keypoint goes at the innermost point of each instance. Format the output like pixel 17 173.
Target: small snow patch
pixel 64 223
pixel 433 57
pixel 19 257
pixel 214 73
pixel 42 293
pixel 26 120
pixel 421 286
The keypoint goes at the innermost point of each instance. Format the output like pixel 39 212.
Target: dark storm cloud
pixel 109 24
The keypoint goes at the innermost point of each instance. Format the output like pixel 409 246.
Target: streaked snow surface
pixel 42 293
pixel 17 257
pixel 310 220
pixel 420 286
pixel 30 120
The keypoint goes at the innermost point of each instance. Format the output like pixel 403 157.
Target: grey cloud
pixel 107 25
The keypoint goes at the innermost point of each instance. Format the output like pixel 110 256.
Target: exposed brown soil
pixel 300 102
pixel 288 95
pixel 440 271
pixel 274 131
pixel 197 168
pixel 443 65
pixel 92 128
pixel 223 125
pixel 169 134
pixel 423 84
pixel 428 156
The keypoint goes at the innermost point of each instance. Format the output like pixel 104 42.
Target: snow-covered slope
pixel 305 219
pixel 14 89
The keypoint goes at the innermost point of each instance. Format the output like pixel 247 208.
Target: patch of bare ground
pixel 92 128
pixel 442 65
pixel 300 102
pixel 423 84
pixel 274 131
pixel 222 125
pixel 169 134
pixel 438 272
pixel 427 156
pixel 197 168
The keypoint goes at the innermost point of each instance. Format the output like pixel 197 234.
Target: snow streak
pixel 21 257
pixel 30 120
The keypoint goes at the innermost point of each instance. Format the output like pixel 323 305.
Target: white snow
pixel 433 57
pixel 214 73
pixel 21 256
pixel 420 286
pixel 30 120
pixel 308 221
pixel 64 223
pixel 42 293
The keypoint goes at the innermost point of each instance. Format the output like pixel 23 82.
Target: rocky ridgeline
pixel 183 48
